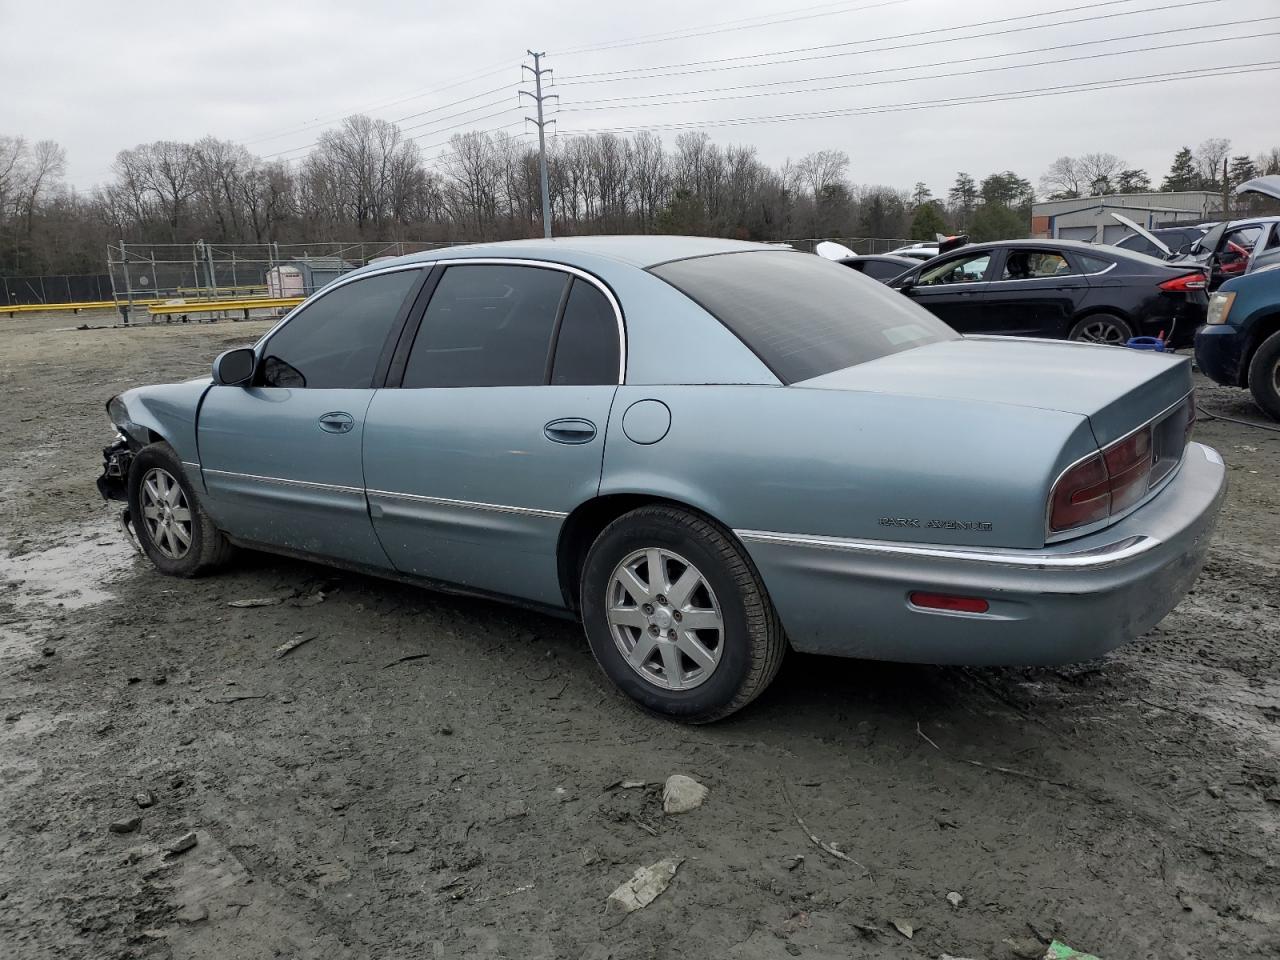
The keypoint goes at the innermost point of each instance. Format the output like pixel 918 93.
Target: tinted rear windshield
pixel 802 315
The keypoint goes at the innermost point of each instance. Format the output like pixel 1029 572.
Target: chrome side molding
pixel 1096 557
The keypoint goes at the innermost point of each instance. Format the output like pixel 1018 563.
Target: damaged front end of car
pixel 117 458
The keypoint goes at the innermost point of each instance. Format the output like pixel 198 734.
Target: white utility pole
pixel 538 70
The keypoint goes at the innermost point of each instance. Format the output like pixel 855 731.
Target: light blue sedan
pixel 709 451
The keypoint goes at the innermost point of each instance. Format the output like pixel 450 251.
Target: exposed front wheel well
pixel 584 524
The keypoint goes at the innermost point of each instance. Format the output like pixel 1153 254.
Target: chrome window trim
pixel 1061 276
pixel 281 481
pixel 352 277
pixel 470 504
pixel 564 268
pixel 1094 558
pixel 1052 536
pixel 1097 273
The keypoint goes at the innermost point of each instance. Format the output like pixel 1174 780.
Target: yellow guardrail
pixel 16 308
pixel 219 306
pixel 157 307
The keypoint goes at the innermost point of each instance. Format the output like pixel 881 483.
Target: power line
pixel 579 107
pixel 955 62
pixel 728 26
pixel 732 63
pixel 1198 73
pixel 429 123
pixel 319 122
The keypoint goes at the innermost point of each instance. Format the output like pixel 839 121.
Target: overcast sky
pixel 98 77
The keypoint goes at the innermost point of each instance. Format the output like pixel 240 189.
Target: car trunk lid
pixel 1115 388
pixel 1147 235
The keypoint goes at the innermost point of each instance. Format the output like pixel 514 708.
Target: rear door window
pixel 335 341
pixel 1029 264
pixel 803 316
pixel 1092 264
pixel 487 325
pixel 587 347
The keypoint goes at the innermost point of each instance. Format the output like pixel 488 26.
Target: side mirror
pixel 907 284
pixel 234 368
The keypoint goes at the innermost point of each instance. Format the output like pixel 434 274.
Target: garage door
pixel 1077 233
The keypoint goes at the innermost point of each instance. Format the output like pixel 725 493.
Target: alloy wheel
pixel 166 513
pixel 665 619
pixel 1102 331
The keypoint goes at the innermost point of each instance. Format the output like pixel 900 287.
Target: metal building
pixel 1089 218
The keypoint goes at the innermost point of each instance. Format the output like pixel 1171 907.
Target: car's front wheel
pixel 172 527
pixel 1264 376
pixel 1102 328
pixel 677 616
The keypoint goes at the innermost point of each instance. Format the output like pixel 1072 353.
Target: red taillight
pixel 1081 495
pixel 1185 283
pixel 1129 464
pixel 1106 483
pixel 945 601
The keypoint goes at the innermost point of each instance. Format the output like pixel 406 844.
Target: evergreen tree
pixel 921 194
pixel 1241 169
pixel 963 195
pixel 927 222
pixel 1008 190
pixel 1182 174
pixel 1132 181
pixel 995 221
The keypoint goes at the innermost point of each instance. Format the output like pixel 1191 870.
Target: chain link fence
pixel 142 273
pixel 60 288
pixel 212 271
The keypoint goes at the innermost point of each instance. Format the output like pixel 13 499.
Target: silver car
pixel 708 451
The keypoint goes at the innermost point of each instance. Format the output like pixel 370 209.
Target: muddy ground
pixel 436 777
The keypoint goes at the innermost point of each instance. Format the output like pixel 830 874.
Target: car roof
pixel 637 251
pixel 888 257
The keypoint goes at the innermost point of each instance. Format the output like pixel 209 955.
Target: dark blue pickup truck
pixel 1239 344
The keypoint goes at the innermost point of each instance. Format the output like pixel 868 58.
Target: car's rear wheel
pixel 172 527
pixel 1102 328
pixel 1264 376
pixel 677 616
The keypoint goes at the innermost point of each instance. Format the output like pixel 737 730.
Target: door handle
pixel 337 422
pixel 570 430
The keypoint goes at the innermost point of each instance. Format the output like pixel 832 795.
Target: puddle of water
pixel 74 571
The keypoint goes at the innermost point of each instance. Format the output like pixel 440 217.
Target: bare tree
pixel 1209 159
pixel 1064 179
pixel 822 170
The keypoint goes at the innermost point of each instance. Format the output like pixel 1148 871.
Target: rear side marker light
pixel 945 601
pixel 1188 281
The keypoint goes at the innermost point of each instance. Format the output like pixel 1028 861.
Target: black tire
pixel 1103 328
pixel 751 644
pixel 206 548
pixel 1264 376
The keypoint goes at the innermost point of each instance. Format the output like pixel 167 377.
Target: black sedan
pixel 881 266
pixel 1061 289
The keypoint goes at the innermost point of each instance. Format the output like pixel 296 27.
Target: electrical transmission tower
pixel 539 98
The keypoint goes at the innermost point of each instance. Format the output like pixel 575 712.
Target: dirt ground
pixel 438 777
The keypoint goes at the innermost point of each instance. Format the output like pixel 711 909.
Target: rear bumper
pixel 1220 354
pixel 1068 602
